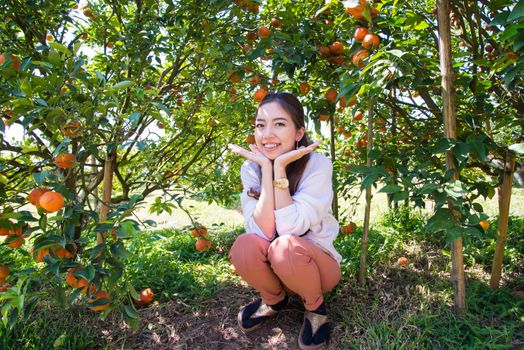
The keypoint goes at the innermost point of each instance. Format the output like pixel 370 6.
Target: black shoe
pixel 255 313
pixel 315 331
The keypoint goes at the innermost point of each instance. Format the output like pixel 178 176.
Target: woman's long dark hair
pixel 294 108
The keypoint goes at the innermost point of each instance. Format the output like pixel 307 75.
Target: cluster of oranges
pixel 96 300
pixel 202 244
pixel 15 237
pixel 362 35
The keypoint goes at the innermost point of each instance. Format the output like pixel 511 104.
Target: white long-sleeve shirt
pixel 311 208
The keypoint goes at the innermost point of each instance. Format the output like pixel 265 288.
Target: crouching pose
pixel 286 202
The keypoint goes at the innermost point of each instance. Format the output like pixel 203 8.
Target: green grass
pixel 401 308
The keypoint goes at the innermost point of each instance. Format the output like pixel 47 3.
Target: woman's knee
pixel 248 249
pixel 286 254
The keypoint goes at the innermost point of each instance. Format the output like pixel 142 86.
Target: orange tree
pixel 104 105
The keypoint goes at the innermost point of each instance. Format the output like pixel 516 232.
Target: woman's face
pixel 275 131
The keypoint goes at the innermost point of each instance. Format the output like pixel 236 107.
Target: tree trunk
pixel 365 229
pixel 504 202
pixel 334 205
pixel 106 198
pixel 450 130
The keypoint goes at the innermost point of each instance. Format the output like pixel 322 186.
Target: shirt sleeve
pixel 311 202
pixel 250 180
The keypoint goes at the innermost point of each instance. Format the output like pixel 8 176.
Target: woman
pixel 286 203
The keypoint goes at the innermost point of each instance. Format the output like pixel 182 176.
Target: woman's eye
pixel 259 126
pixel 280 124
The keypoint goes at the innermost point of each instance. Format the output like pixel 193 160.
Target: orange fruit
pixel 254 80
pixel 341 128
pixel 109 45
pixel 259 95
pixel 35 194
pixel 360 33
pixel 336 49
pixel 331 95
pixel 146 297
pixel 199 231
pixel 49 37
pixel 263 32
pixel 72 129
pixel 304 88
pixel 358 57
pixel 324 117
pixel 88 12
pixel 202 244
pixel 71 279
pixel 16 243
pixel 40 254
pixel 234 78
pixel 358 116
pixel 4 272
pixel 324 51
pixel 5 231
pixel 276 23
pixel 251 36
pixel 63 252
pixel 98 296
pixel 484 224
pixel 356 11
pixel 371 41
pixel 403 261
pixel 84 284
pixel 51 201
pixel 250 139
pixel 65 160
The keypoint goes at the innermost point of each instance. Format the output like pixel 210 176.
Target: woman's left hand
pixel 289 157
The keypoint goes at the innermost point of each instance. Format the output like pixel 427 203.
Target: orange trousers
pixel 289 263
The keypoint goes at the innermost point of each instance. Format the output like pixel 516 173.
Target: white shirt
pixel 311 208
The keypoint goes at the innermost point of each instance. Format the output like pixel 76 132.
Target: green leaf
pixel 60 341
pixel 400 196
pixel 60 47
pixel 122 85
pixel 517 12
pixel 517 147
pixel 443 145
pixel 131 312
pixel 118 249
pixel 390 189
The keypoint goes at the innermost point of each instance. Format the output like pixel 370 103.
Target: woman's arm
pixel 264 213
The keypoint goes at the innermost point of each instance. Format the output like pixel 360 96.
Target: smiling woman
pixel 288 247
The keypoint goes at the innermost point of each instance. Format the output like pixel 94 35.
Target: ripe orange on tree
pixel 324 117
pixel 146 297
pixel 358 116
pixel 100 295
pixel 304 88
pixel 4 272
pixel 263 32
pixel 360 33
pixel 403 261
pixel 5 231
pixel 347 229
pixel 276 23
pixel 51 201
pixel 49 37
pixel 72 129
pixel 358 58
pixel 331 95
pixel 40 254
pixel 336 49
pixel 356 10
pixel 88 12
pixel 341 129
pixel 202 244
pixel 484 224
pixel 199 231
pixel 250 139
pixel 259 95
pixel 35 194
pixel 15 242
pixel 371 41
pixel 65 160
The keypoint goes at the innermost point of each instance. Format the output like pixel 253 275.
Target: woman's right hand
pixel 255 155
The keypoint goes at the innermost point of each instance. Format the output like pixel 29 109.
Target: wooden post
pixel 367 210
pixel 504 202
pixel 106 197
pixel 450 131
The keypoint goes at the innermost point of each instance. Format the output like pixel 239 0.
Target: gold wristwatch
pixel 281 183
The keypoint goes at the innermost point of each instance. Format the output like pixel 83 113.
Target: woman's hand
pixel 289 157
pixel 255 155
